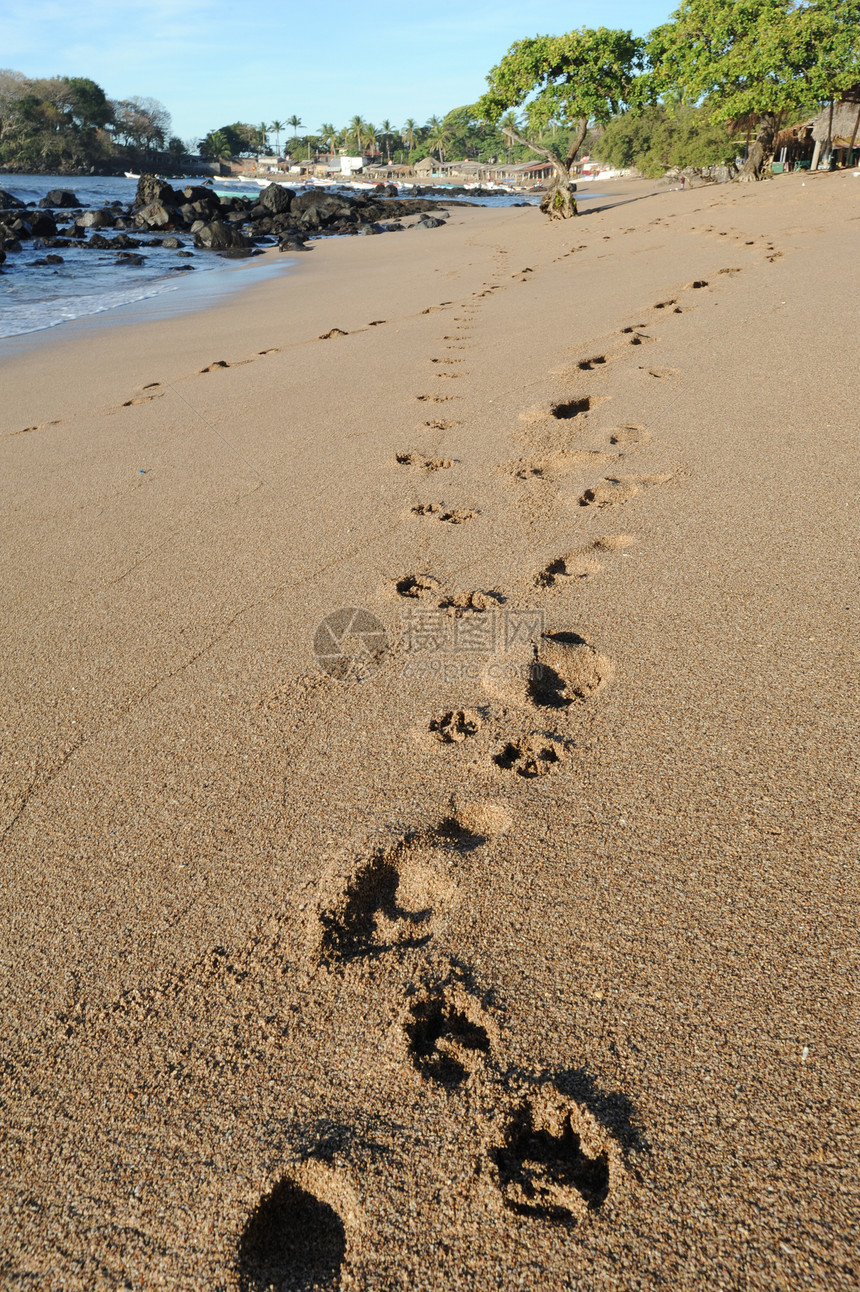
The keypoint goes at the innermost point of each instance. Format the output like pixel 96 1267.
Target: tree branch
pixel 549 153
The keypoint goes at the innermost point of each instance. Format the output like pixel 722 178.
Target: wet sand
pixel 499 935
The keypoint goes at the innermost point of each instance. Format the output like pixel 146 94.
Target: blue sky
pixel 211 62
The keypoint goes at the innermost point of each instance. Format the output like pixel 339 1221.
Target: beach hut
pixel 426 167
pixel 836 131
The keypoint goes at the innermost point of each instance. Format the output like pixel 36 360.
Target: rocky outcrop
pixel 217 236
pixel 59 197
pixel 276 199
pixel 152 189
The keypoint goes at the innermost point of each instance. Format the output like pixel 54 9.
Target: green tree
pixel 759 60
pixel 409 133
pixel 356 130
pixel 295 122
pixel 276 127
pixel 386 131
pixel 587 74
pixel 655 139
pixel 329 135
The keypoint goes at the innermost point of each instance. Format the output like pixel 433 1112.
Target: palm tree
pixel 356 130
pixel 508 122
pixel 408 133
pixel 370 136
pixel 295 122
pixel 329 134
pixel 439 136
pixel 276 127
pixel 386 131
pixel 262 141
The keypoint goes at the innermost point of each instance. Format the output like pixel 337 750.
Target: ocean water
pixel 88 282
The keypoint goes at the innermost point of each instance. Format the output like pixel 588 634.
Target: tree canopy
pixel 586 75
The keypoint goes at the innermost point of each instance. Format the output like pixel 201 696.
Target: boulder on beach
pixel 94 220
pixel 42 224
pixel 217 236
pixel 8 201
pixel 152 189
pixel 157 215
pixel 276 199
pixel 59 197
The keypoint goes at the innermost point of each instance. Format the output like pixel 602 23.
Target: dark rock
pixel 181 269
pixel 94 220
pixel 217 236
pixel 42 224
pixel 238 253
pixel 152 189
pixel 2 255
pixel 53 260
pixel 236 217
pixel 9 202
pixel 428 222
pixel 196 193
pixel 172 244
pixel 293 241
pixel 187 254
pixel 59 197
pixel 12 244
pixel 130 258
pixel 276 199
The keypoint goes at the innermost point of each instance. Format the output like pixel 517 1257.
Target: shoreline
pixel 447 971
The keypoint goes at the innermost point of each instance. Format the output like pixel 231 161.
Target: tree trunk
pixel 558 201
pixel 760 150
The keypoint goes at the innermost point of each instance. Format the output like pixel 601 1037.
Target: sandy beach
pixel 500 932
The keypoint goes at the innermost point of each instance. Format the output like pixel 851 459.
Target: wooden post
pixel 853 137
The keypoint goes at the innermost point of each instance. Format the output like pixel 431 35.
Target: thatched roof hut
pixel 844 127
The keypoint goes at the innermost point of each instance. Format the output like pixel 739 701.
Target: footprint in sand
pixel 40 426
pixel 437 424
pixel 300 1232
pixel 613 490
pixel 556 672
pixel 624 436
pixel 659 373
pixel 427 464
pixel 451 516
pixel 696 283
pixel 420 586
pixel 434 399
pixel 551 466
pixel 532 755
pixel 553 1160
pixel 393 900
pixel 456 726
pixel 332 332
pixel 580 563
pixel 142 399
pixel 570 408
pixel 596 361
pixel 641 338
pixel 664 305
pixel 448 1033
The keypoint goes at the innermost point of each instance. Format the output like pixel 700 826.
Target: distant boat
pixel 130 175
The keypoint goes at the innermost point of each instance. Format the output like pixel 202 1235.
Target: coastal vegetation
pixel 67 123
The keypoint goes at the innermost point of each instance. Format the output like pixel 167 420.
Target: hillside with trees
pixel 67 124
